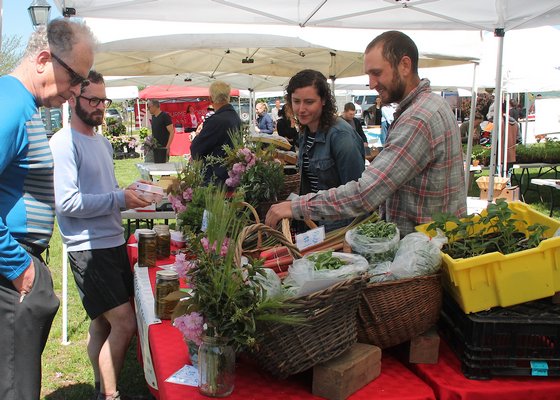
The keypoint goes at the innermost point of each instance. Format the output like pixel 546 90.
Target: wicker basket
pixel 291 184
pixel 499 183
pixel 329 329
pixel 393 312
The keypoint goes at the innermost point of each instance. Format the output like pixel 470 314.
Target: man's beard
pixel 398 87
pixel 92 119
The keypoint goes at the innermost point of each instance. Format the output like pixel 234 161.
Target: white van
pixel 366 102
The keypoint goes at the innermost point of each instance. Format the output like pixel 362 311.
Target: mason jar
pixel 166 282
pixel 147 249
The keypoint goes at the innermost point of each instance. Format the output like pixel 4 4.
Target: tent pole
pixel 506 135
pixel 471 130
pixel 499 33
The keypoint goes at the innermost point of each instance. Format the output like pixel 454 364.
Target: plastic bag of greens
pixel 320 270
pixel 376 241
pixel 418 255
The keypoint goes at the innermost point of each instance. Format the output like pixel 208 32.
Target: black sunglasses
pixel 75 78
pixel 94 101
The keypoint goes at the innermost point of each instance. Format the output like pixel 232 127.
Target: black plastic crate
pixel 523 340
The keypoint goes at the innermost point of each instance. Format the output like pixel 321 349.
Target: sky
pixel 16 20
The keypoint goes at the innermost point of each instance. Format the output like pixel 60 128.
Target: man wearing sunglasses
pixel 88 206
pixel 56 56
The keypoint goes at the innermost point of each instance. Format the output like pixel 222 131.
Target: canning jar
pixel 166 282
pixel 163 241
pixel 147 249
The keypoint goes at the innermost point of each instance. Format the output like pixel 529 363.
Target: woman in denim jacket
pixel 330 152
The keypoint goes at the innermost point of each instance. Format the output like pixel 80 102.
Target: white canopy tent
pixel 497 16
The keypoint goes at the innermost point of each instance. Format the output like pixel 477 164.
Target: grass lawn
pixel 67 374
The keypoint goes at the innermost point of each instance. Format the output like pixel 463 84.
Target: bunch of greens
pixel 326 260
pixel 379 229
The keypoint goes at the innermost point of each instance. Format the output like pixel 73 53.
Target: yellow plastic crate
pixel 494 279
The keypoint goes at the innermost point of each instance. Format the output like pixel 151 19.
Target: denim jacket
pixel 336 157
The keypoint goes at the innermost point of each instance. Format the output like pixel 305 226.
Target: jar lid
pixel 147 234
pixel 167 274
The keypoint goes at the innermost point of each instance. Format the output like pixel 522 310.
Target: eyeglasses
pixel 75 78
pixel 94 101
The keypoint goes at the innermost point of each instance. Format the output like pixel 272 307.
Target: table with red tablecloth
pixel 443 380
pixel 181 144
pixel 169 353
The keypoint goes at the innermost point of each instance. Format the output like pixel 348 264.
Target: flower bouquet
pixel 226 300
pixel 148 147
pixel 253 170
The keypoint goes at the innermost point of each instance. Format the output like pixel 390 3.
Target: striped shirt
pixel 26 178
pixel 313 178
pixel 419 171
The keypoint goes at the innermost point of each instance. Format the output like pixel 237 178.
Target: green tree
pixel 10 53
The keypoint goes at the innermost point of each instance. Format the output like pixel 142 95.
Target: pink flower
pixel 187 194
pixel 206 245
pixel 191 326
pixel 182 265
pixel 176 203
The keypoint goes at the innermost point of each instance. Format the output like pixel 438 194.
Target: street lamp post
pixel 39 12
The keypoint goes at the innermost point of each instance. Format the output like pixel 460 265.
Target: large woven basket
pixel 329 329
pixel 394 312
pixel 291 184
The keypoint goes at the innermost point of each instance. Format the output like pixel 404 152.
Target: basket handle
pixel 259 229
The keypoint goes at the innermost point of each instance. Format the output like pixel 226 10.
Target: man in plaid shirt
pixel 420 170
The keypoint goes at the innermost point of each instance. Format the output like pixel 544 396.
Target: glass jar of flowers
pixel 226 300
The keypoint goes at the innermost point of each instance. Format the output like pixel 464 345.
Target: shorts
pixel 104 278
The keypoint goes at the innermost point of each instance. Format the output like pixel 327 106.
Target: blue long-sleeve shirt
pixel 265 123
pixel 26 178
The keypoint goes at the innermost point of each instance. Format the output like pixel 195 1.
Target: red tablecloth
pixel 449 383
pixel 169 354
pixel 181 144
pixel 443 380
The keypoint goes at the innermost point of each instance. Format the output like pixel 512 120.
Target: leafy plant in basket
pixel 226 300
pixel 477 234
pixel 253 170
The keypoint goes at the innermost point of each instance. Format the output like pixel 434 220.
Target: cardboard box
pixel 508 193
pixel 341 376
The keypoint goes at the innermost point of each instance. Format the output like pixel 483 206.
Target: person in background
pixel 191 119
pixel 287 126
pixel 348 115
pixel 274 113
pixel 420 170
pixel 88 210
pixel 331 153
pixel 162 125
pixel 387 116
pixel 54 67
pixel 264 121
pixel 464 129
pixel 215 132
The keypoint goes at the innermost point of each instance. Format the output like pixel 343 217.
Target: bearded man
pixel 88 209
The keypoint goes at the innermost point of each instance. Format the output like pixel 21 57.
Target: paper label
pixel 311 237
pixel 204 225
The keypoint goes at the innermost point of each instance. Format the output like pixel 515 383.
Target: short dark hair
pixel 396 45
pixel 93 77
pixel 349 107
pixel 154 103
pixel 310 77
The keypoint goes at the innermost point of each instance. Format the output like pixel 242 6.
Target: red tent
pixel 177 92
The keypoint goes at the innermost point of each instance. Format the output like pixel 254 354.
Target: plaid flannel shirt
pixel 420 170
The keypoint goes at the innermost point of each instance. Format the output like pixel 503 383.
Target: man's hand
pixel 277 212
pixel 24 282
pixel 132 200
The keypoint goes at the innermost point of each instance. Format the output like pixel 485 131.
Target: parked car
pixel 366 102
pixel 113 113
